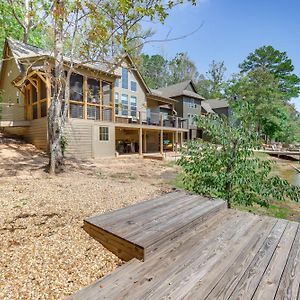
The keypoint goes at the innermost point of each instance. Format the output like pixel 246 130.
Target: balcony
pixel 154 119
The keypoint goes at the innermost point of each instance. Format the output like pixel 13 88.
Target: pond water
pixel 291 175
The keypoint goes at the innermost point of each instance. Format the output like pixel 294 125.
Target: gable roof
pixel 24 52
pixel 205 105
pixel 180 89
pixel 217 103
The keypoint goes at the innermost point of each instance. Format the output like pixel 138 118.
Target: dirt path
pixel 44 252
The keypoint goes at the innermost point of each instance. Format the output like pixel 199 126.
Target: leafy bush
pixel 226 166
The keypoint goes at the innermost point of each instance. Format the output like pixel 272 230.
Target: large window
pixel 124 105
pixel 133 106
pixel 116 103
pixel 103 133
pixel 133 86
pixel 124 78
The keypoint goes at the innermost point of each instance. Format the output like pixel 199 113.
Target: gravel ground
pixel 44 252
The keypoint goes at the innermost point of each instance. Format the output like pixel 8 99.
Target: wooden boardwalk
pixel 195 248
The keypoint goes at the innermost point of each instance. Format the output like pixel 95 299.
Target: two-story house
pixel 188 103
pixel 108 112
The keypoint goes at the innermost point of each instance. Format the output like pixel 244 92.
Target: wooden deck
pixel 195 248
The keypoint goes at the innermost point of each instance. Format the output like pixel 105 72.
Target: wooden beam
pixel 145 141
pixel 181 139
pixel 161 147
pixel 85 96
pixel 140 142
pixel 113 102
pixel 48 91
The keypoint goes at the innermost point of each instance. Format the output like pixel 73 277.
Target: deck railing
pixel 154 119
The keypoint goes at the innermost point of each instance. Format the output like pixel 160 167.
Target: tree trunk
pixel 55 111
pixel 26 22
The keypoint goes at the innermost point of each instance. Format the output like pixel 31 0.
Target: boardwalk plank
pixel 251 278
pixel 289 287
pixel 150 270
pixel 138 208
pixel 175 265
pixel 223 272
pixel 269 283
pixel 195 248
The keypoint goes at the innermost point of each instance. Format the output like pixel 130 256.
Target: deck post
pixel 161 148
pixel 85 97
pixel 173 141
pixel 176 142
pixel 140 142
pixel 181 139
pixel 145 141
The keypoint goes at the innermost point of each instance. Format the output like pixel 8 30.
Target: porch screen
pixel 93 90
pixel 106 90
pixel 76 96
pixel 76 90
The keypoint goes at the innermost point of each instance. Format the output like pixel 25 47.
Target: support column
pixel 140 142
pixel 173 141
pixel 161 148
pixel 176 141
pixel 181 139
pixel 85 96
pixel 145 141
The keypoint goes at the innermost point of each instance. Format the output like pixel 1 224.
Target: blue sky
pixel 231 30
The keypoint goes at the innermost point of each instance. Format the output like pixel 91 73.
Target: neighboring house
pixel 188 103
pixel 108 111
pixel 218 106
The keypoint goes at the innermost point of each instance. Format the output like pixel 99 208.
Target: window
pixel 76 84
pixel 133 86
pixel 116 103
pixel 93 91
pixel 192 104
pixel 124 105
pixel 103 133
pixel 124 78
pixel 117 82
pixel 133 106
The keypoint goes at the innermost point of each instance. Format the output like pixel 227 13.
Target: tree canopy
pixel 211 85
pixel 277 63
pixel 226 166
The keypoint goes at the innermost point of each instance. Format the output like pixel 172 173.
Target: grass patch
pixel 177 182
pixel 123 175
pixel 274 210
